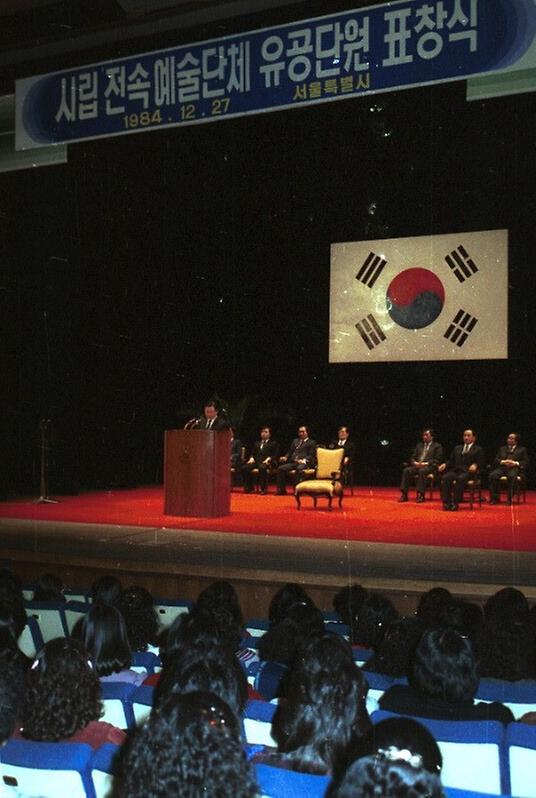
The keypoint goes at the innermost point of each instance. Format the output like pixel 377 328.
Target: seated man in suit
pixel 425 459
pixel 301 455
pixel 265 452
pixel 211 418
pixel 464 463
pixel 344 442
pixel 510 460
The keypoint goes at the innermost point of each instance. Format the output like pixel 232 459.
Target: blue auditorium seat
pixel 280 783
pixel 519 696
pixel 265 677
pixel 102 769
pixel 521 757
pixel 142 703
pixel 258 723
pixel 117 698
pixel 47 770
pixel 50 616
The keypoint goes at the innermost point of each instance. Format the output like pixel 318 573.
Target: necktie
pixel 341 443
pixel 425 450
pixel 210 423
pixel 465 449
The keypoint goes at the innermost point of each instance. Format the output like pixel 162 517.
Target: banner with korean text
pixel 442 297
pixel 379 48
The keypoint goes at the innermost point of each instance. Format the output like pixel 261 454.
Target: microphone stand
pixel 44 498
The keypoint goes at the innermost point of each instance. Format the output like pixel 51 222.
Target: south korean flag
pixel 441 297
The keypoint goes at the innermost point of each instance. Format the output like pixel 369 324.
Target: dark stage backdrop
pixel 159 269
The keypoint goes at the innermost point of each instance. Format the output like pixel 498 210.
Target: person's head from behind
pixel 286 597
pixel 12 599
pixel 217 672
pixel 13 674
pixel 283 640
pixel 389 773
pixel 348 601
pixel 218 594
pixel 430 605
pixel 63 692
pixel 325 710
pixel 49 587
pixel 137 607
pixel 504 603
pixel 464 617
pixel 375 615
pixel 106 590
pixel 104 635
pixel 404 734
pixel 189 747
pixel 394 654
pixel 444 667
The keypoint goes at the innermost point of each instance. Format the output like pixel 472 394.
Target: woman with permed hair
pixel 189 748
pixel 325 711
pixel 137 607
pixel 104 635
pixel 443 683
pixel 63 701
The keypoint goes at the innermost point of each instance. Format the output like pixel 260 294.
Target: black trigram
pixel 371 269
pixel 370 331
pixel 460 327
pixel 461 264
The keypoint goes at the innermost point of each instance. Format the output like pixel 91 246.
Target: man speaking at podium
pixel 211 419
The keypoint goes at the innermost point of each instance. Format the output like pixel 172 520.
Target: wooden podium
pixel 197 473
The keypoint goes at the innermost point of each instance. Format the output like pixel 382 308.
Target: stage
pixel 401 549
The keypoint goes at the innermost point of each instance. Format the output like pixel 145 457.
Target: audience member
pixel 285 638
pixel 189 748
pixel 215 671
pixel 12 688
pixel 137 607
pixel 394 654
pixel 220 594
pixel 443 683
pixel 12 599
pixel 375 615
pixel 324 712
pixel 507 643
pixel 430 605
pixel 348 602
pixel 104 635
pixel 62 701
pixel 404 734
pixel 106 590
pixel 464 617
pixel 389 773
pixel 286 597
pixel 49 587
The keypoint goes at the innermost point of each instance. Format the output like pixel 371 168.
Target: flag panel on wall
pixel 442 297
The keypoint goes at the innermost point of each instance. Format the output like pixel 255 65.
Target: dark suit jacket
pixel 270 449
pixel 520 454
pixel 348 446
pixel 434 455
pixel 219 423
pixel 305 451
pixel 461 462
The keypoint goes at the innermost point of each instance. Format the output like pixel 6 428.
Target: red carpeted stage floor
pixel 398 549
pixel 372 514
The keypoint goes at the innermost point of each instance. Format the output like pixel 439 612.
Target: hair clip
pixel 394 754
pixel 35 664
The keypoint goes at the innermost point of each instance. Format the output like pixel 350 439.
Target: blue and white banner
pixel 379 48
pixel 442 297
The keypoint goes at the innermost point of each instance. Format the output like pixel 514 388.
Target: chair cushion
pixel 321 487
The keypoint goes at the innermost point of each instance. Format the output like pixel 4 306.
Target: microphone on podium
pixel 191 423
